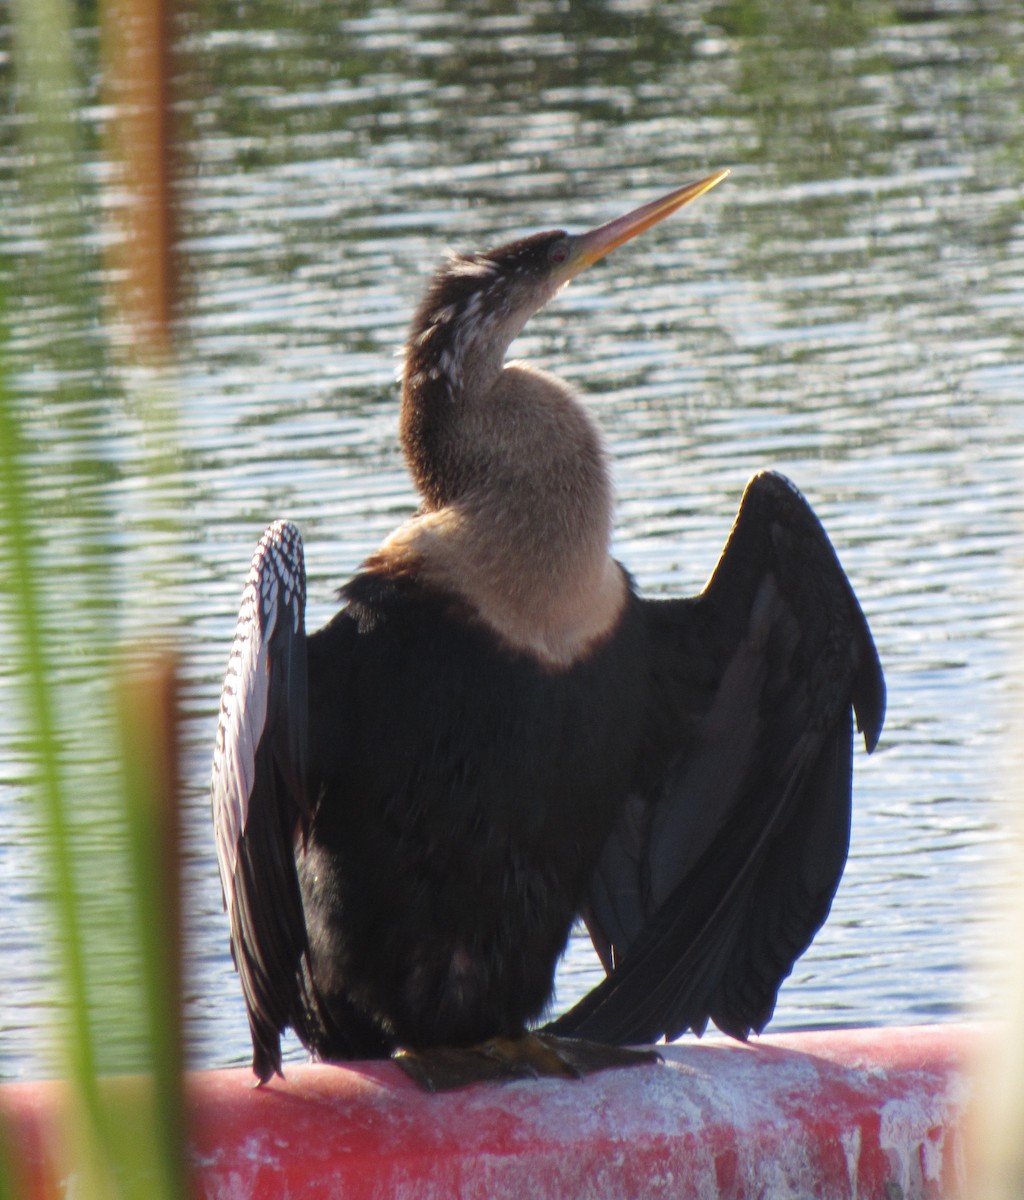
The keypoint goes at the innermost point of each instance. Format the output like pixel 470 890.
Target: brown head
pixel 474 307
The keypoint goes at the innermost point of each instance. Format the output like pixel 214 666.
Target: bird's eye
pixel 558 253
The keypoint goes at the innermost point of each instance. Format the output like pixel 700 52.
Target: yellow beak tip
pixel 593 246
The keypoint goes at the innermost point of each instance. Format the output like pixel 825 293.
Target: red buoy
pixel 830 1115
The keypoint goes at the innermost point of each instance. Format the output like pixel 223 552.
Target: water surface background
pixel 846 308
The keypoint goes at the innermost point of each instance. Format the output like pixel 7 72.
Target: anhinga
pixel 496 735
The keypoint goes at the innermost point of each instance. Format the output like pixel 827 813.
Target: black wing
pixel 259 788
pixel 725 861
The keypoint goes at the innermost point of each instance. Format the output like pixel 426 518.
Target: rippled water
pixel 846 308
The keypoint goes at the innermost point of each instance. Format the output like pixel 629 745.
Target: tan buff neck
pixel 528 547
pixel 557 619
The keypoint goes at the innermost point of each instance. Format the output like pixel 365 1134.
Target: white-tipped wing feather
pixel 258 786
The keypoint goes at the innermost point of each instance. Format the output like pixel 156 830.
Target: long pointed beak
pixel 588 248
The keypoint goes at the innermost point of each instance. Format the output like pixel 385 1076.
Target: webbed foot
pixel 443 1068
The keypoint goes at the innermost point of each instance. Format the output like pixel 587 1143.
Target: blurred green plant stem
pixel 99 715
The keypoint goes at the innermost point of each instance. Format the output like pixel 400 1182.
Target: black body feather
pixel 449 776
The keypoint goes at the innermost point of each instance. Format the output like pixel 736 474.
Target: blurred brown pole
pixel 138 57
pixel 150 756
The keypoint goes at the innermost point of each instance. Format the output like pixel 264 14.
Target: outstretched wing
pixel 259 787
pixel 725 861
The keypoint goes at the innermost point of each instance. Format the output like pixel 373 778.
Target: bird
pixel 497 736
